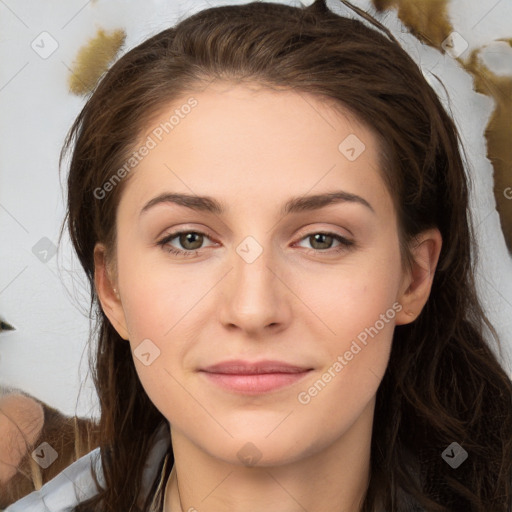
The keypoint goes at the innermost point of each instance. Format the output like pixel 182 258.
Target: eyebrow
pixel 293 205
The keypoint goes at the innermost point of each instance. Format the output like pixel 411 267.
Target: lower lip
pixel 254 384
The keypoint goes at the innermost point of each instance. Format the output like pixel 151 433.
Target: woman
pixel 237 368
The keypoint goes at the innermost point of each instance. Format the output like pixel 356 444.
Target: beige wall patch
pixel 428 20
pixel 93 60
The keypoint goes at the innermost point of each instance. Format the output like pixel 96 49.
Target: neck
pixel 333 478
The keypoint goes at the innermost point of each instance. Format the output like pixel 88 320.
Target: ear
pixel 109 297
pixel 417 282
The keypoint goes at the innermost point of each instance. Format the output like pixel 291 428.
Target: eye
pixel 323 242
pixel 191 241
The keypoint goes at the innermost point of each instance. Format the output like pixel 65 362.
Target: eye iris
pixel 186 238
pixel 322 237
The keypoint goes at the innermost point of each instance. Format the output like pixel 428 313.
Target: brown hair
pixel 443 383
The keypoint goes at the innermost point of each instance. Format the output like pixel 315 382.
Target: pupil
pixel 320 236
pixel 189 239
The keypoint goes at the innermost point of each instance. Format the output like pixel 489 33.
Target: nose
pixel 255 299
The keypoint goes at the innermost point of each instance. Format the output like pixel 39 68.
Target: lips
pixel 238 367
pixel 248 378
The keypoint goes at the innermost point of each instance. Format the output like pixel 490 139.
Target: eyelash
pixel 345 243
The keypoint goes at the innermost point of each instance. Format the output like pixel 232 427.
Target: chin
pixel 255 450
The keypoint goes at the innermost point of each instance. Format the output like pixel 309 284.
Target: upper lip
pixel 239 367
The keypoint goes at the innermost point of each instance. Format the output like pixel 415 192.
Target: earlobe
pixel 425 250
pixel 108 295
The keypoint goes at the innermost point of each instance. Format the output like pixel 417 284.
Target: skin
pixel 299 301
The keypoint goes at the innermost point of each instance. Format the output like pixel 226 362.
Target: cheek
pixel 155 294
pixel 163 311
pixel 354 317
pixel 168 304
pixel 344 300
pixel 356 358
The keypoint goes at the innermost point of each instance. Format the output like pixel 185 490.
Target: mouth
pixel 254 378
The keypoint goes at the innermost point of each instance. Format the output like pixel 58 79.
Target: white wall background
pixel 47 301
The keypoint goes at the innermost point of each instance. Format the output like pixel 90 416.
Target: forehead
pixel 245 142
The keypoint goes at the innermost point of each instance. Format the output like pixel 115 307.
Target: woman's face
pixel 258 281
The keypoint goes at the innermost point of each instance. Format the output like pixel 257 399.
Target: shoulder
pixel 75 484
